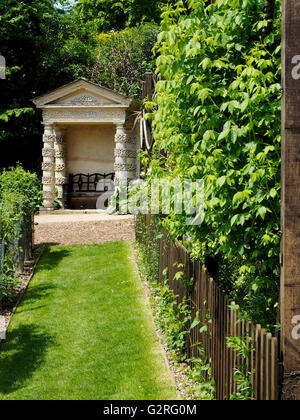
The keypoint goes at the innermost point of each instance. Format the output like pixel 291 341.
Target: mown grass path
pixel 84 331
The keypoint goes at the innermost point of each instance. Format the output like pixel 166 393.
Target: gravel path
pixel 70 229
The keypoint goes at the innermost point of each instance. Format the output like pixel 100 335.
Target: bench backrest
pixel 87 182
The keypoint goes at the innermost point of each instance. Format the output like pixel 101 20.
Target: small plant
pixel 148 247
pixel 201 375
pixel 244 347
pixel 204 385
pixel 172 317
pixel 180 276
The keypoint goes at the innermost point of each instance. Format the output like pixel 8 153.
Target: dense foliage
pixel 20 198
pixel 24 184
pixel 114 15
pixel 217 118
pixel 123 58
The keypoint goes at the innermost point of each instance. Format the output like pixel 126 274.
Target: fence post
pixel 290 241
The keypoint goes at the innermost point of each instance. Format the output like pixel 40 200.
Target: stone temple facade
pixel 87 129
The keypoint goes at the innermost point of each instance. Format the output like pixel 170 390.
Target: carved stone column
pixel 60 163
pixel 131 157
pixel 48 168
pixel 120 156
pixel 125 156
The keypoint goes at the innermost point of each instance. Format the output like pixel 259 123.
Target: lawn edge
pixel 147 291
pixel 20 297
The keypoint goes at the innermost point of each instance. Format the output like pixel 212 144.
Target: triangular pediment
pixel 83 97
pixel 82 93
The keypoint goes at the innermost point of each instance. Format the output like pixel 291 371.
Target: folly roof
pixel 82 93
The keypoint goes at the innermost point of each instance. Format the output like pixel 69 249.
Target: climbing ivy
pixel 217 117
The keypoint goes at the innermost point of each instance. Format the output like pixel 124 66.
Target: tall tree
pixel 37 43
pixel 107 15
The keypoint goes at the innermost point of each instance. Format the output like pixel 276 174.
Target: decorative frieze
pixel 47 166
pixel 85 100
pixel 125 138
pixel 125 167
pixel 120 167
pixel 132 139
pixel 125 153
pixel 47 180
pixel 60 180
pixel 59 139
pixel 60 154
pixel 121 138
pixel 75 115
pixel 48 138
pixel 131 167
pixel 59 167
pixel 48 153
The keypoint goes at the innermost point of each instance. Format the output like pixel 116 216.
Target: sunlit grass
pixel 84 331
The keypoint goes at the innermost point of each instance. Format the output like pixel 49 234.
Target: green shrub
pixel 123 58
pixel 24 183
pixel 10 222
pixel 20 198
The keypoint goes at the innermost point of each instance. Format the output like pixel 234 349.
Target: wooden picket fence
pixel 208 301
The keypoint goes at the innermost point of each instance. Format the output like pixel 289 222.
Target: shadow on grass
pixel 51 257
pixel 39 291
pixel 46 245
pixel 20 355
pixel 33 298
